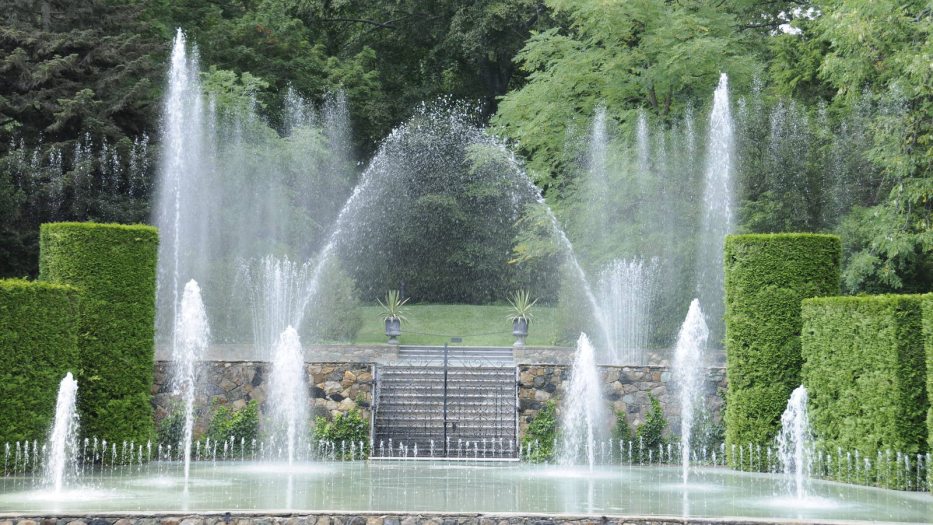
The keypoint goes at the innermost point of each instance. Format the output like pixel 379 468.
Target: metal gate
pixel 445 406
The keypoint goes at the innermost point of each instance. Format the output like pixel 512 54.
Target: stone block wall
pixel 626 389
pixel 339 387
pixel 365 518
pixel 333 388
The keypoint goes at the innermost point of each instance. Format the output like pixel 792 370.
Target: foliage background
pixel 848 81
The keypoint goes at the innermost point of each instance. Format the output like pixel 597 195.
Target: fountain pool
pixel 456 487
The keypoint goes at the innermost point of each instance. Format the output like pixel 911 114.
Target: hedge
pixel 38 346
pixel 766 277
pixel 865 370
pixel 114 266
pixel 928 346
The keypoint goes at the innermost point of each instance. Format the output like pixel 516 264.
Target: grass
pixel 430 324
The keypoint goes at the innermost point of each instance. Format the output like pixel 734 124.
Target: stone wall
pixel 340 387
pixel 333 388
pixel 371 518
pixel 626 389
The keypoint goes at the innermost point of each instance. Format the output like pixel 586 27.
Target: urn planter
pixel 393 330
pixel 520 331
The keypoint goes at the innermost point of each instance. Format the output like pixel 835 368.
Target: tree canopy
pixel 833 101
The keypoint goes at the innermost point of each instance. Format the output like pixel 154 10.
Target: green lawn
pixel 430 324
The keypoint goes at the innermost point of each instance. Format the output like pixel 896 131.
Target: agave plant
pixel 392 307
pixel 521 302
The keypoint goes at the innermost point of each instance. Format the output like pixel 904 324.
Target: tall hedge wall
pixel 865 371
pixel 766 277
pixel 38 345
pixel 928 346
pixel 114 266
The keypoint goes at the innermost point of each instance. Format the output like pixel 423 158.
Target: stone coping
pixel 386 354
pixel 323 517
pixel 167 362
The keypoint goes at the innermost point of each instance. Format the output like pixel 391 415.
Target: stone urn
pixel 520 331
pixel 393 329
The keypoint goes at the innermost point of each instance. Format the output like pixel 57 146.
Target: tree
pixel 884 48
pixel 626 55
pixel 77 95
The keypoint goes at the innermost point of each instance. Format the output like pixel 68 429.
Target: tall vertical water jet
pixel 192 337
pixel 687 370
pixel 718 214
pixel 181 163
pixel 288 394
pixel 793 443
pixel 626 288
pixel 597 169
pixel 583 420
pixel 642 146
pixel 212 155
pixel 62 454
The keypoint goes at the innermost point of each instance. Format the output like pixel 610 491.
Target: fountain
pixel 62 454
pixel 202 221
pixel 687 373
pixel 627 287
pixel 403 175
pixel 191 340
pixel 278 291
pixel 232 192
pixel 288 395
pixel 794 444
pixel 583 420
pixel 718 214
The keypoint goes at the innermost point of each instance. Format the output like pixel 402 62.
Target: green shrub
pixel 114 267
pixel 349 427
pixel 622 431
pixel 38 345
pixel 242 425
pixel 171 428
pixel 538 441
pixel 708 432
pixel 865 371
pixel 650 435
pixel 766 277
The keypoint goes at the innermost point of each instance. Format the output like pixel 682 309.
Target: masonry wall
pixel 626 388
pixel 339 387
pixel 333 387
pixel 361 518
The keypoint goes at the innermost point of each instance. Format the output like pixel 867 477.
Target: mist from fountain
pixel 288 395
pixel 62 454
pixel 192 337
pixel 626 289
pixel 718 214
pixel 688 370
pixel 583 418
pixel 278 290
pixel 794 444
